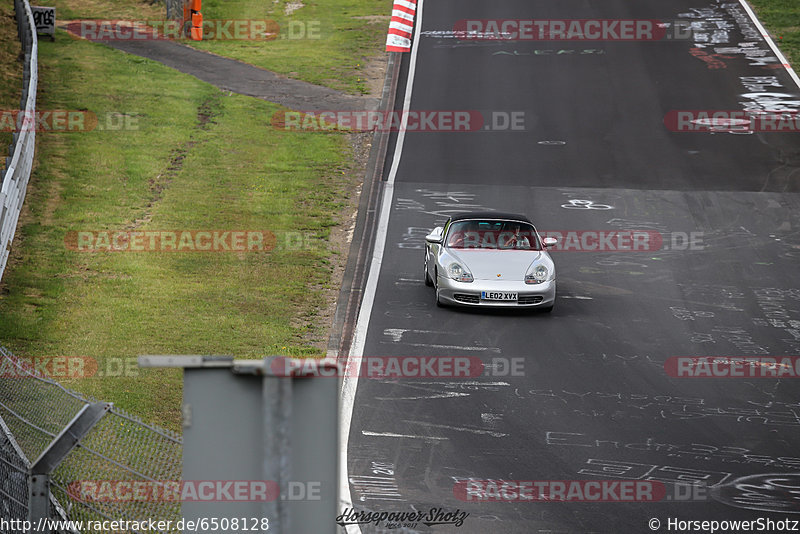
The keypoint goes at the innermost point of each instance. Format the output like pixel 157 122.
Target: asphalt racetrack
pixel 589 398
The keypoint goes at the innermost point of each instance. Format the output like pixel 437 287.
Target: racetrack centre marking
pixel 619 406
pixel 409 436
pixel 446 203
pixel 491 419
pixel 468 383
pixel 688 451
pixel 450 347
pixel 376 488
pixel 551 143
pixel 446 395
pixel 766 492
pixel 579 204
pixel 479 431
pixel 350 384
pixel 550 52
pixel 397 333
pixel 663 473
pixel 431 393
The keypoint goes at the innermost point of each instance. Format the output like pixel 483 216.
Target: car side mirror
pixel 549 241
pixel 435 236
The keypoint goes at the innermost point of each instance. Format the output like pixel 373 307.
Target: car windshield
pixel 495 235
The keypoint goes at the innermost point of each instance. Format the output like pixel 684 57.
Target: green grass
pixel 350 33
pixel 200 159
pixel 782 20
pixel 107 9
pixel 347 34
pixel 10 70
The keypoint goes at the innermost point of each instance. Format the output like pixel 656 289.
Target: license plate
pixel 498 295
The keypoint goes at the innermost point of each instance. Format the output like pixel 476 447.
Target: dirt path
pixel 242 78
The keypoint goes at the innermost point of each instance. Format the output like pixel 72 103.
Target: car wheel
pixel 547 309
pixel 439 303
pixel 428 281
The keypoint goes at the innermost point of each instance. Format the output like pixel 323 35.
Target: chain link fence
pixel 97 480
pixel 13 477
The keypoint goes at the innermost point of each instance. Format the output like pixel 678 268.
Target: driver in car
pixel 516 239
pixel 465 236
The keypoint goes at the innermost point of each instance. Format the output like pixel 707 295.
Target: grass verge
pixel 325 42
pixel 191 158
pixel 782 20
pixel 107 9
pixel 10 70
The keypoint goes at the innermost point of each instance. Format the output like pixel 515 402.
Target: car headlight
pixel 457 272
pixel 537 275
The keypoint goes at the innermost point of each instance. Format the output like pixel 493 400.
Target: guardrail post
pixel 54 454
pixel 249 420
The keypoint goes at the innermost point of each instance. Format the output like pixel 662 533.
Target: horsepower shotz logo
pixel 432 517
pixel 560 30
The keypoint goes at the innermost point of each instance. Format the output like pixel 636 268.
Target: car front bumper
pixel 469 293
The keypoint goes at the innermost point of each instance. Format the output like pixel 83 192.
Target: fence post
pixel 249 420
pixel 53 455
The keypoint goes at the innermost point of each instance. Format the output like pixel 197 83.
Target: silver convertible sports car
pixel 490 259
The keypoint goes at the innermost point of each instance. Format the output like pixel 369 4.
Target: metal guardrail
pixel 18 164
pixel 118 449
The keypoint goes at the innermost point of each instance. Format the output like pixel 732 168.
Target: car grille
pixel 469 299
pixel 530 299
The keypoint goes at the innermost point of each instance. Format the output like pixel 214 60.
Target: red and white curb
pixel 401 26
